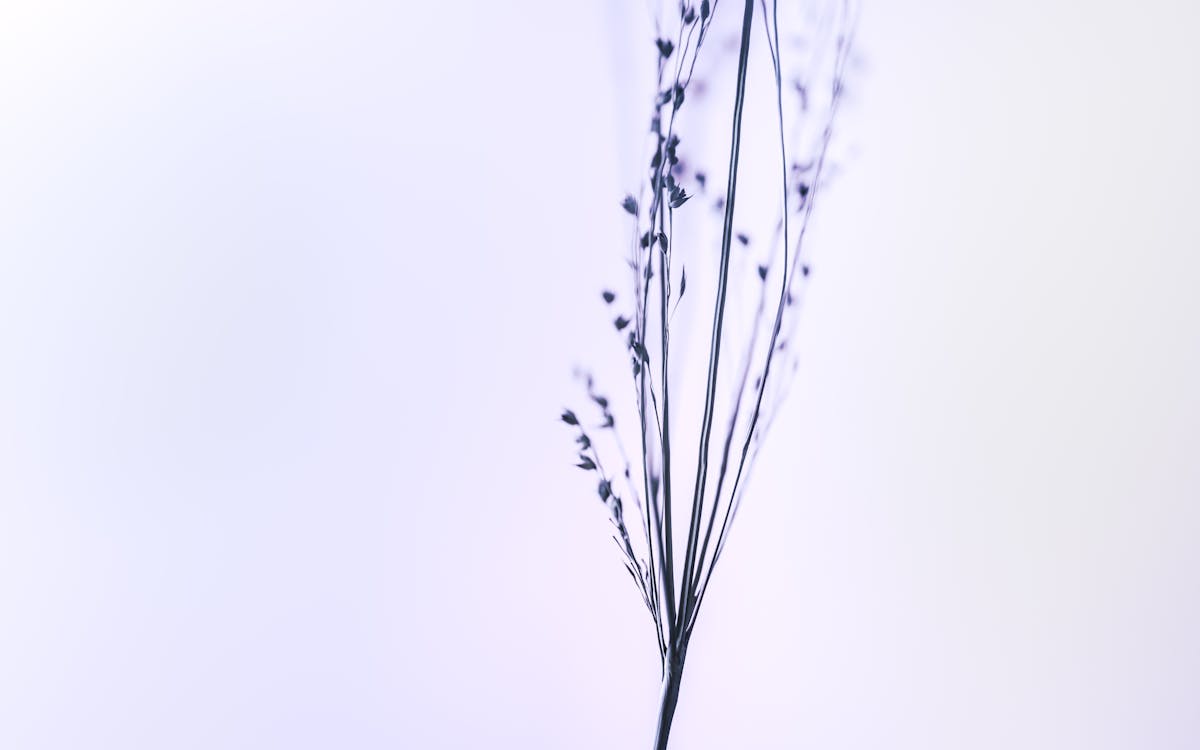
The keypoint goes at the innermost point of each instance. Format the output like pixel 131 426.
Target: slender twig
pixel 771 26
pixel 839 67
pixel 714 357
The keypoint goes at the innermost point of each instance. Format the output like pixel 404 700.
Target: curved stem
pixel 714 355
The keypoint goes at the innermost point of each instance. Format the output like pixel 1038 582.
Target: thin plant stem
pixel 714 357
pixel 731 510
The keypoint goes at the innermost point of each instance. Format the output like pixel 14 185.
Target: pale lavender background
pixel 290 293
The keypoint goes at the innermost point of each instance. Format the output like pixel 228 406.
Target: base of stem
pixel 670 698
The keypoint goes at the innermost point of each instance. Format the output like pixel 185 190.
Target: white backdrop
pixel 290 295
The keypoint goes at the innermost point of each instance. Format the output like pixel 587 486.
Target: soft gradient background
pixel 290 294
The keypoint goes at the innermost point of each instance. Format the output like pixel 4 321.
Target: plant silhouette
pixel 753 293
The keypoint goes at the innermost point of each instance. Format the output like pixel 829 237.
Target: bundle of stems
pixel 673 585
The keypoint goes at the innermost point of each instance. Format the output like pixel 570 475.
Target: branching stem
pixel 714 356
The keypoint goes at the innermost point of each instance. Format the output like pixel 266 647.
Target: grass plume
pixel 754 296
